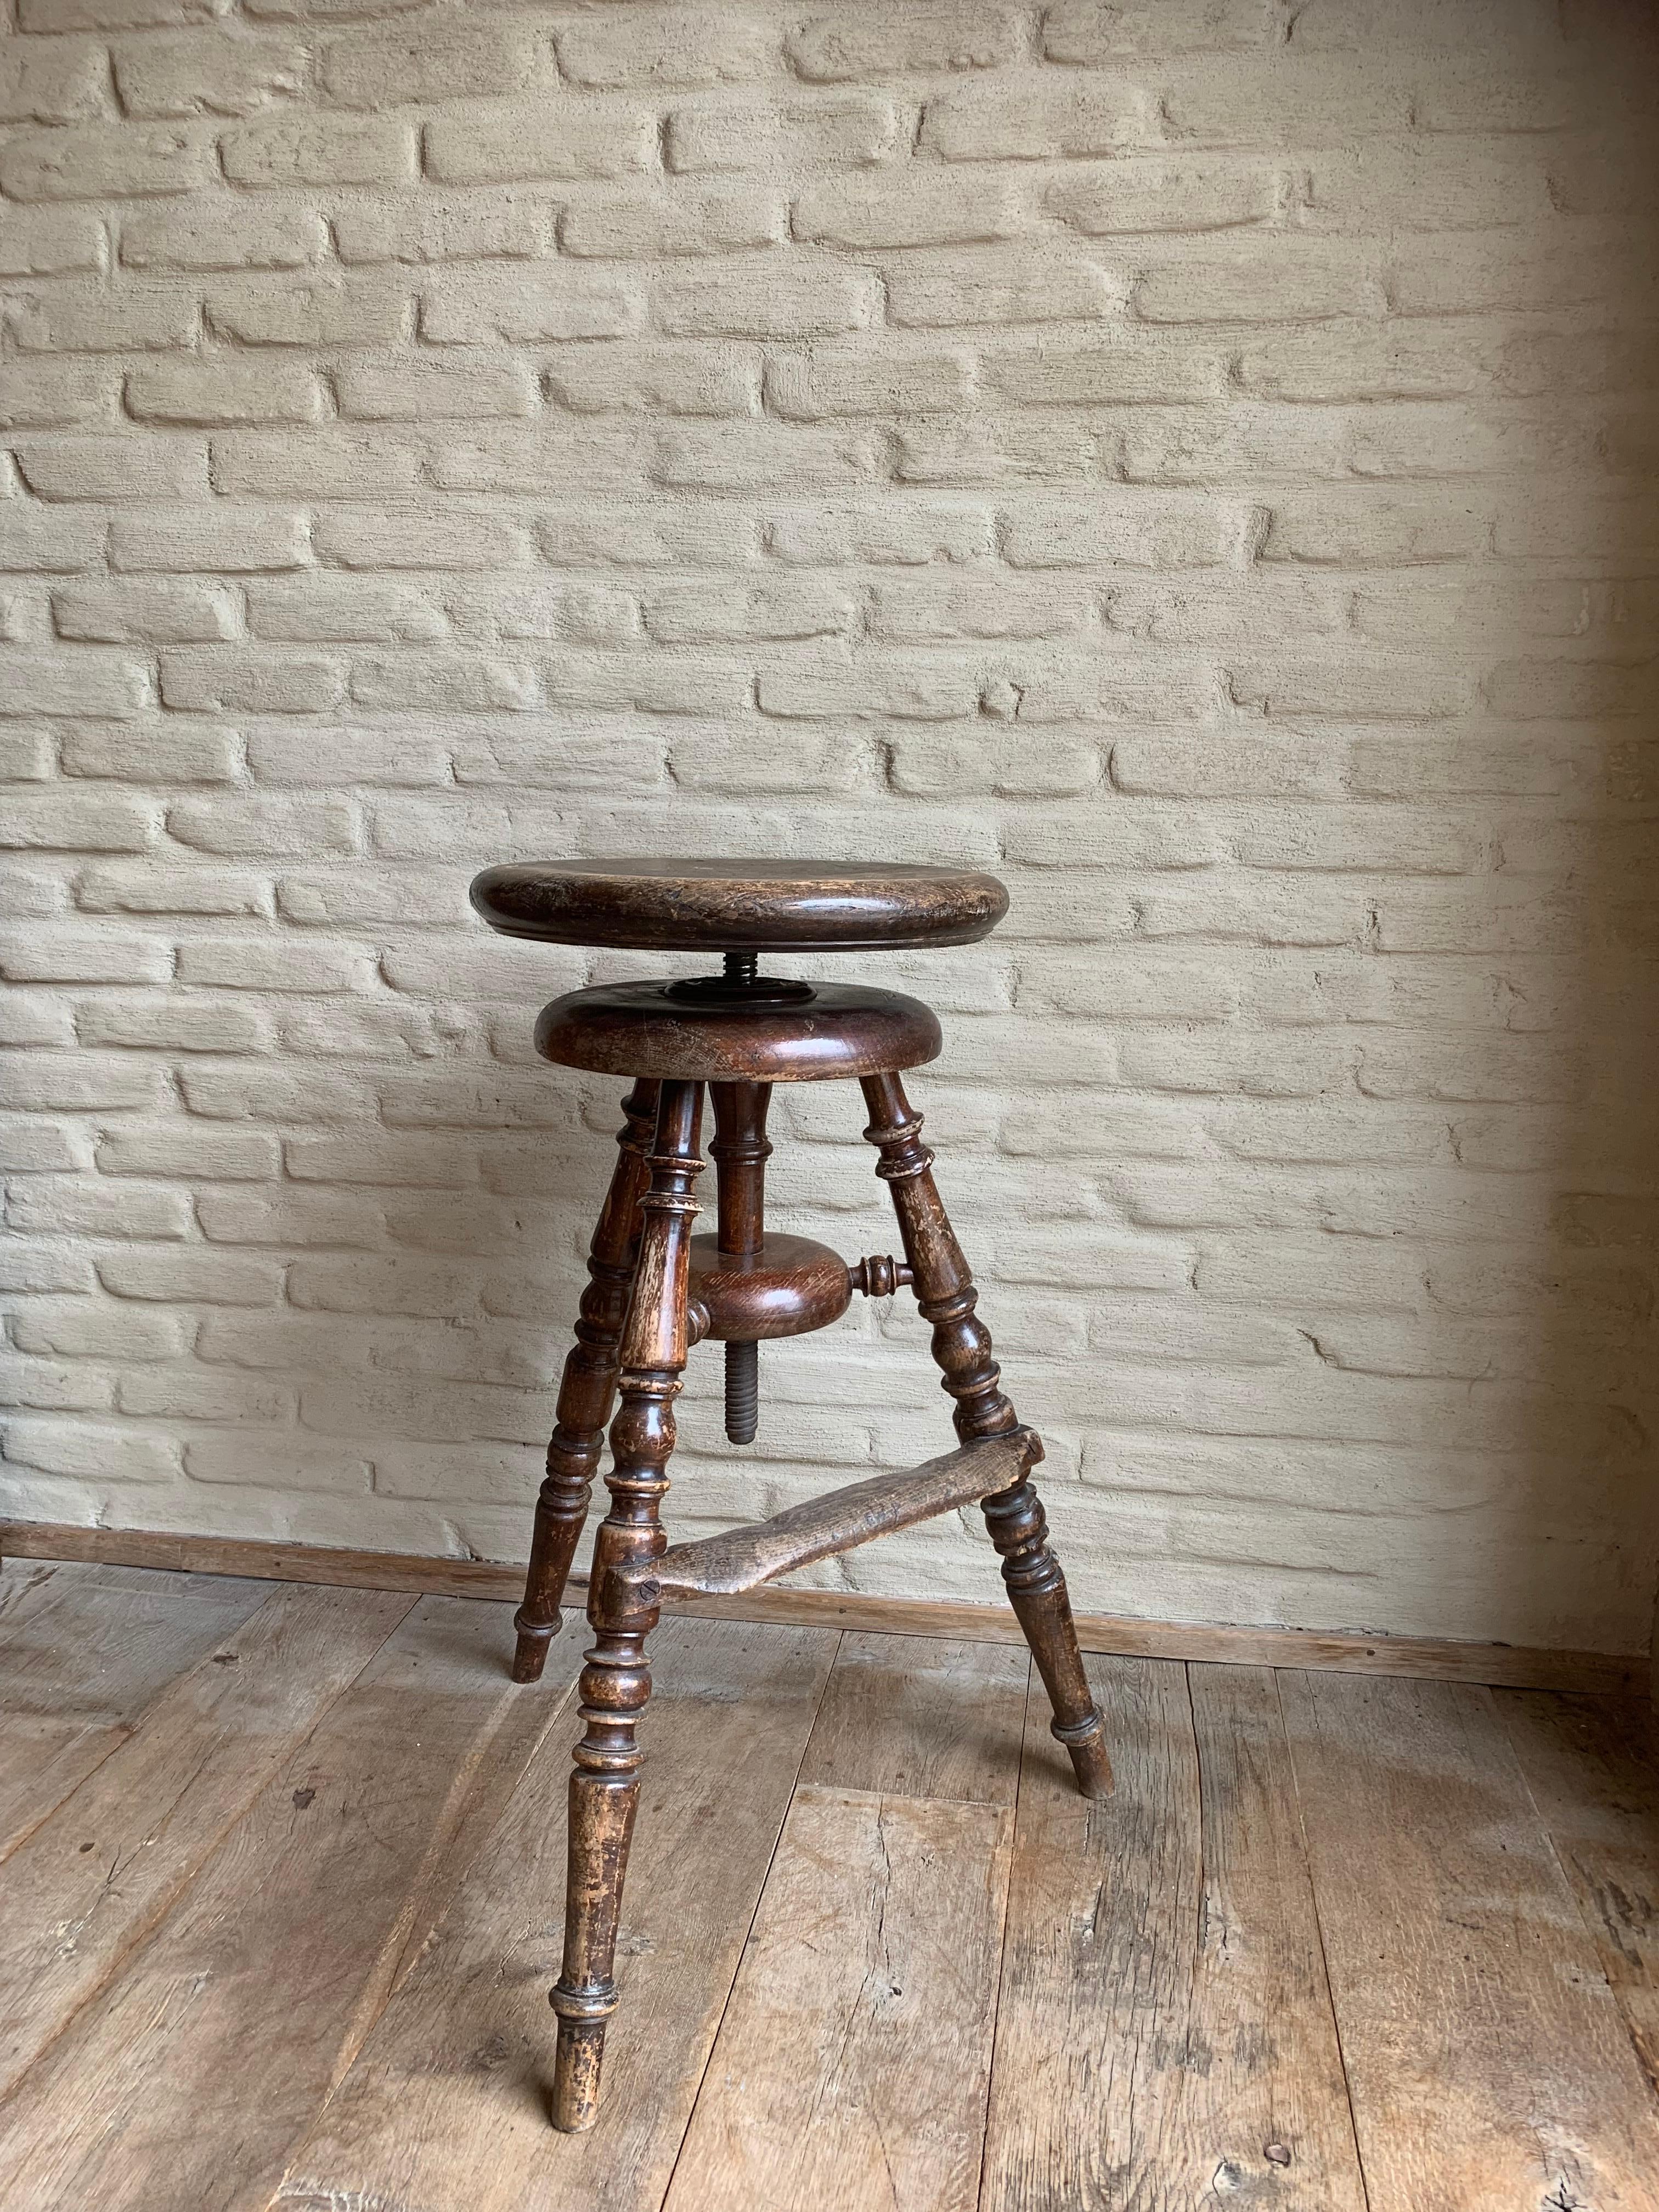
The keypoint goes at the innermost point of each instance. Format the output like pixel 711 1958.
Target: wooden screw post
pixel 616 1682
pixel 740 1151
pixel 585 1390
pixel 962 1347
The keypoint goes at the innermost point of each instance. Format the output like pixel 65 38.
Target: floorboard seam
pixel 121 1742
pixel 1319 1929
pixel 1002 1948
pixel 141 1943
pixel 433 1859
pixel 1591 1934
pixel 743 1949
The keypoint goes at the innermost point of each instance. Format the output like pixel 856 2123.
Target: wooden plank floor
pixel 282 1873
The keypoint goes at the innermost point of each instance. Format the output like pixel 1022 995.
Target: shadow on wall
pixel 1392 1372
pixel 1576 696
pixel 1540 978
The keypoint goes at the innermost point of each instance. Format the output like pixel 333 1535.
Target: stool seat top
pixel 740 905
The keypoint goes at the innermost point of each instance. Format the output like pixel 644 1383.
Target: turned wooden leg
pixel 962 1347
pixel 616 1682
pixel 585 1390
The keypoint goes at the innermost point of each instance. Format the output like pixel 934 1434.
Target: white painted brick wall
pixel 1193 457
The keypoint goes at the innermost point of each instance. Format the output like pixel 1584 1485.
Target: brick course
pixel 1192 456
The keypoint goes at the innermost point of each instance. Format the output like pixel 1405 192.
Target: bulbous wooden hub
pixel 790 1286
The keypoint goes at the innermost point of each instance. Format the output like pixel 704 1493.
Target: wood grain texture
pixel 640 1029
pixel 616 1679
pixel 961 1344
pixel 587 1387
pixel 837 1521
pixel 1272 2090
pixel 786 1286
pixel 1164 2036
pixel 82 1652
pixel 447 2105
pixel 1121 1635
pixel 851 2063
pixel 202 2064
pixel 777 906
pixel 88 1886
pixel 1592 1765
pixel 916 1717
pixel 1488 2062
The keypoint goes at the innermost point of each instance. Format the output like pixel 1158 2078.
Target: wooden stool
pixel 654 1289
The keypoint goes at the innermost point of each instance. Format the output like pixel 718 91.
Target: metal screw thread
pixel 741 968
pixel 742 1392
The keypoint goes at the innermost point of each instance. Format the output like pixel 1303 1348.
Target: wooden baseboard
pixel 1439 1658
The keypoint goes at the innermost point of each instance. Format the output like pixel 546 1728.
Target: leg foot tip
pixel 530 1655
pixel 574 2104
pixel 1090 1763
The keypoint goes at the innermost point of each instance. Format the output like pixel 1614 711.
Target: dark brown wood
pixel 586 1391
pixel 879 1276
pixel 779 906
pixel 962 1347
pixel 616 1682
pixel 740 1152
pixel 789 1287
pixel 637 1028
pixel 839 1520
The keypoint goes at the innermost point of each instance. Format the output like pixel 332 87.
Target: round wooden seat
pixel 646 1030
pixel 776 906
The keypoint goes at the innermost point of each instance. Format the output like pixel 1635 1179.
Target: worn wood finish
pixel 126 1635
pixel 616 1682
pixel 851 2066
pixel 640 1028
pixel 587 1390
pixel 915 1716
pixel 774 905
pixel 1267 2101
pixel 85 1889
pixel 1164 2035
pixel 1592 1765
pixel 446 2110
pixel 187 2082
pixel 1593 1673
pixel 786 1287
pixel 1164 2038
pixel 1488 2060
pixel 837 1521
pixel 945 1296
